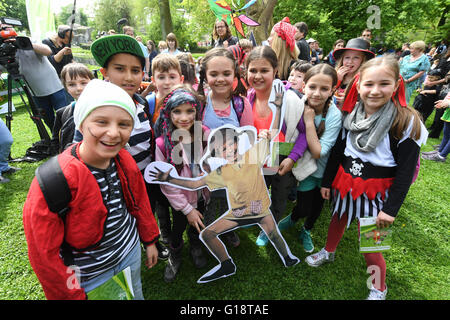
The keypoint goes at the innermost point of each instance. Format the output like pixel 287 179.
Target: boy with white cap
pixel 109 211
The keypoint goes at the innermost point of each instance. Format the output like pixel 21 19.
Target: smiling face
pixel 352 59
pixel 260 74
pixel 220 76
pixel 183 116
pixel 125 71
pixel 105 131
pixel 376 86
pixel 317 90
pixel 296 80
pixel 164 81
pixel 221 29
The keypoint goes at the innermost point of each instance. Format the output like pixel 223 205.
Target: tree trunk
pixel 262 11
pixel 166 18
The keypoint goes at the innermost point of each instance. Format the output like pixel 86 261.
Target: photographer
pixel 43 80
pixel 59 45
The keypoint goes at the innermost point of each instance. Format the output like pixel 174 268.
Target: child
pixel 166 73
pixel 109 211
pixel 348 61
pixel 373 161
pixel 282 41
pixel 262 68
pixel 298 71
pixel 424 101
pixel 179 115
pixel 74 77
pixel 224 105
pixel 247 194
pixel 323 123
pixel 122 63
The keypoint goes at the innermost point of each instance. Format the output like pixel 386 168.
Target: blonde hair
pixel 163 62
pixel 404 114
pixel 284 56
pixel 420 45
pixel 163 44
pixel 245 43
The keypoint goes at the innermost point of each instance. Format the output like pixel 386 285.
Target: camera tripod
pixel 39 150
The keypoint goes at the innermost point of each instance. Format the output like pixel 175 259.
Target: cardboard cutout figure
pixel 241 175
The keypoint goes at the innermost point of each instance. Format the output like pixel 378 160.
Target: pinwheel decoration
pixel 233 14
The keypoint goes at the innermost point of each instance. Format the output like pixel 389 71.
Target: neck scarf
pixel 367 132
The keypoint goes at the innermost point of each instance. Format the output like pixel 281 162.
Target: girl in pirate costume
pixel 373 161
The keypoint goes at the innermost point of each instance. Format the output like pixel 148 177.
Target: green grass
pixel 417 265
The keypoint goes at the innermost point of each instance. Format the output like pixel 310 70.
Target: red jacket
pixel 45 230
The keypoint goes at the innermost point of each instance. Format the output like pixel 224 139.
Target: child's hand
pixel 341 72
pixel 278 102
pixel 308 114
pixel 161 176
pixel 325 192
pixel 195 218
pixel 152 256
pixel 285 166
pixel 264 134
pixel 442 103
pixel 384 220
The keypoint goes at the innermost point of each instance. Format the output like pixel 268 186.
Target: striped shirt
pixel 120 229
pixel 139 145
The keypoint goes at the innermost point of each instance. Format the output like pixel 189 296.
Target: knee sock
pixel 379 272
pixel 335 232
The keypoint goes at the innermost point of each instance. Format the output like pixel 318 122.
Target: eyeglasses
pixel 220 27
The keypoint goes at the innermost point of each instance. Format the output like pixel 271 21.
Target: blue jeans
pixel 132 260
pixel 50 104
pixel 6 140
pixel 444 149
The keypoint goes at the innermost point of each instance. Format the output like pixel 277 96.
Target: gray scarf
pixel 367 133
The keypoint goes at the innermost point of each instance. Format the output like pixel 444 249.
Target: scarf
pixel 367 133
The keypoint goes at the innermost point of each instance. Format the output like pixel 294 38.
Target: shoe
pixel 12 170
pixel 430 152
pixel 262 239
pixel 3 179
pixel 163 252
pixel 375 294
pixel 434 157
pixel 289 262
pixel 173 263
pixel 320 258
pixel 305 238
pixel 225 269
pixel 232 239
pixel 436 146
pixel 197 257
pixel 286 223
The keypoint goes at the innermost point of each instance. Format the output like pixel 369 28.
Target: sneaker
pixel 305 238
pixel 12 170
pixel 225 269
pixel 320 258
pixel 436 146
pixel 375 294
pixel 430 152
pixel 262 239
pixel 232 239
pixel 434 157
pixel 3 179
pixel 163 252
pixel 286 223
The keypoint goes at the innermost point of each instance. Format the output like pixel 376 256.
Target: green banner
pixel 40 19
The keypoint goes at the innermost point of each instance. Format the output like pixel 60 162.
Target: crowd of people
pixel 356 142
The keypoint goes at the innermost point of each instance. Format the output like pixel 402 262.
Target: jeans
pixel 6 140
pixel 444 149
pixel 132 260
pixel 49 104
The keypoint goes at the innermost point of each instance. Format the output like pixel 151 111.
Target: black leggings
pixel 179 223
pixel 309 205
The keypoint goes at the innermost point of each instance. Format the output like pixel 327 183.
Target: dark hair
pixel 262 52
pixel 220 52
pixel 328 70
pixel 74 70
pixel 228 33
pixel 301 66
pixel 302 27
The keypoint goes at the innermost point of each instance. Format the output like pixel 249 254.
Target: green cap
pixel 107 46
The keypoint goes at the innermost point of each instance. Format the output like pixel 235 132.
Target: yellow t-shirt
pixel 245 184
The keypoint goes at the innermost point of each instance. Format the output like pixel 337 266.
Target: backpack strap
pixel 151 101
pixel 54 187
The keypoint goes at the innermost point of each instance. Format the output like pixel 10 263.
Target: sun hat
pixel 286 31
pixel 355 44
pixel 105 47
pixel 99 93
pixel 311 40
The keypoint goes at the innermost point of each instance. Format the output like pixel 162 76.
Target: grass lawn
pixel 417 266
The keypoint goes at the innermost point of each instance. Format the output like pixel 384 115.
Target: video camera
pixel 10 42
